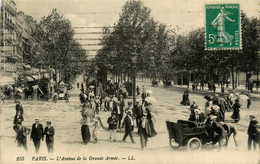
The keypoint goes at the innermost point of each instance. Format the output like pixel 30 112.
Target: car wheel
pixel 194 144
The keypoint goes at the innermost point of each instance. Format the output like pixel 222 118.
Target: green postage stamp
pixel 223 30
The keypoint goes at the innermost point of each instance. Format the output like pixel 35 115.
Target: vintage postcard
pixel 129 81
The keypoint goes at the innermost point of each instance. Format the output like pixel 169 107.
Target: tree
pixel 55 46
pixel 136 33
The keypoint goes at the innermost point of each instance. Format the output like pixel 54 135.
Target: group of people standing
pixel 124 115
pixel 213 118
pixel 36 132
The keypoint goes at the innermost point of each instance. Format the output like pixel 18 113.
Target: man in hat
pixel 253 134
pixel 112 125
pixel 37 134
pixel 216 113
pixel 119 112
pixel 49 132
pixel 21 135
pixel 215 131
pixel 129 124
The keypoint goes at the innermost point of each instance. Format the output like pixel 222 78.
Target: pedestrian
pixel 253 133
pixel 21 135
pixel 151 132
pixel 215 114
pixel 85 132
pixel 215 100
pixel 208 106
pixel 143 95
pixel 119 113
pixel 231 129
pixel 77 84
pixel 17 118
pixel 248 101
pixel 214 87
pixel 18 107
pixel 112 126
pixel 185 98
pixel 222 107
pixel 143 126
pixel 49 132
pixel 37 134
pixel 216 132
pixel 137 91
pixel 236 111
pixel 66 96
pixel 138 112
pixel 95 131
pixel 55 96
pixel 129 125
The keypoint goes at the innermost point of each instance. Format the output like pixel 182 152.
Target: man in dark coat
pixel 17 118
pixel 21 135
pixel 18 107
pixel 216 131
pixel 138 112
pixel 37 134
pixel 49 132
pixel 129 124
pixel 119 111
pixel 112 126
pixel 85 132
pixel 231 129
pixel 143 95
pixel 253 135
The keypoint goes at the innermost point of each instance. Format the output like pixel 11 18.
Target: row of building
pixel 15 40
pixel 16 45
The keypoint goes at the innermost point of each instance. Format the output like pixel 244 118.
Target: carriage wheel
pixel 194 144
pixel 173 144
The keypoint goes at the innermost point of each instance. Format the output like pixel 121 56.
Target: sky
pixel 183 15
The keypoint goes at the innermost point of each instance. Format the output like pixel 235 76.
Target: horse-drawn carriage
pixel 154 83
pixel 167 83
pixel 189 134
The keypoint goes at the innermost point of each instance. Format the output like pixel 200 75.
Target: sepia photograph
pixel 130 81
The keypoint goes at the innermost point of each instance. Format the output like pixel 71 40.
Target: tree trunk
pixel 232 74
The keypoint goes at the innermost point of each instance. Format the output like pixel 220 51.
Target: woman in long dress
pixel 85 132
pixel 236 111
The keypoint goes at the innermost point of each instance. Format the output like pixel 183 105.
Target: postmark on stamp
pixel 223 30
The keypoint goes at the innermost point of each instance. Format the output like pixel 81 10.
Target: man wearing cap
pixel 37 134
pixel 253 134
pixel 129 124
pixel 49 132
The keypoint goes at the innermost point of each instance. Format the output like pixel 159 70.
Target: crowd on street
pixel 125 116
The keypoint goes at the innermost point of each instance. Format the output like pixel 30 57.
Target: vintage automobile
pixel 189 134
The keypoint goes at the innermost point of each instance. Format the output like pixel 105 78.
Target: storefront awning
pixel 4 80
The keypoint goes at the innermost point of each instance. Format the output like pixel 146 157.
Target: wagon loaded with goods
pixel 189 134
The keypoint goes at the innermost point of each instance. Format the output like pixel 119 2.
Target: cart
pixel 187 133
